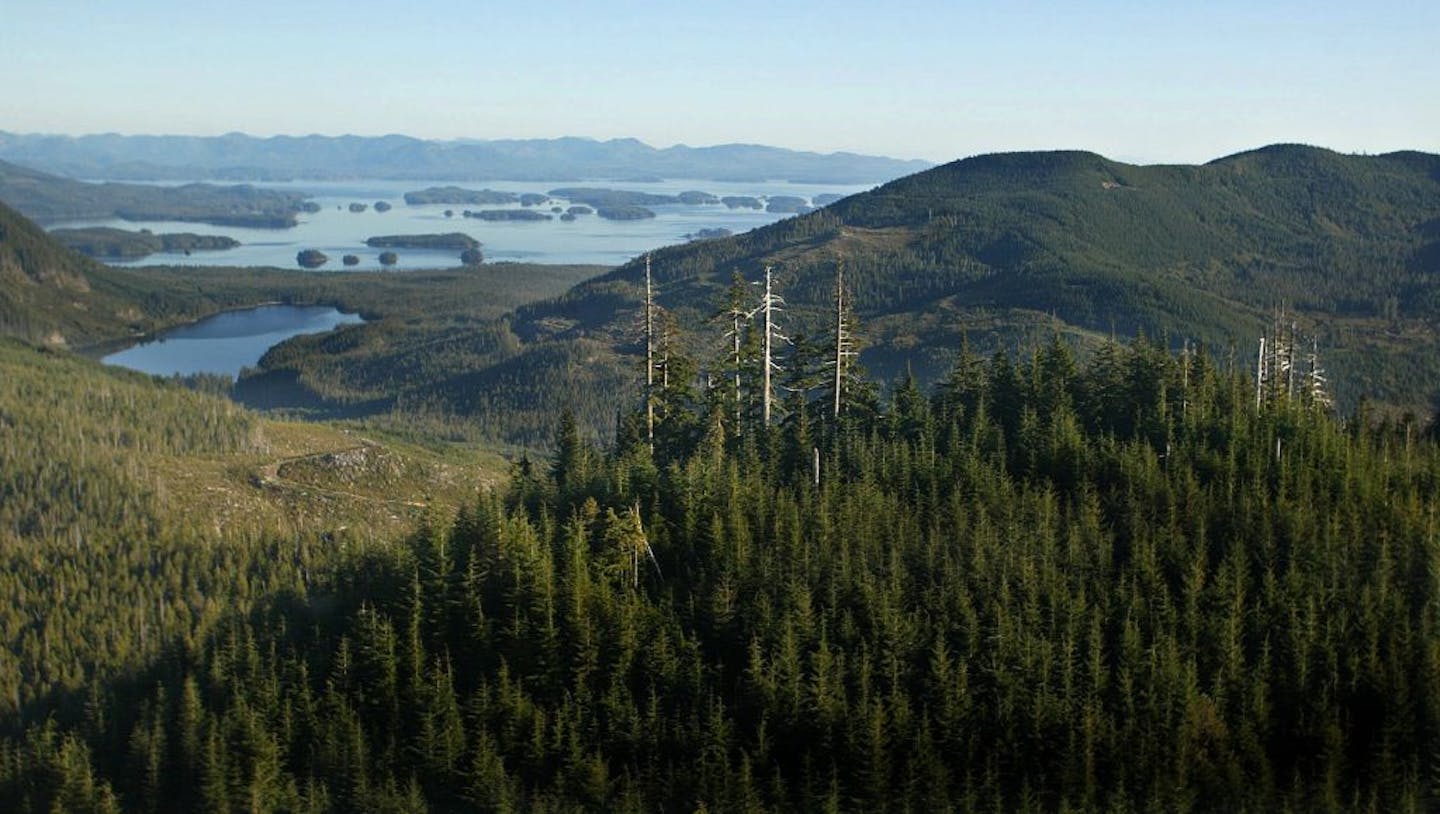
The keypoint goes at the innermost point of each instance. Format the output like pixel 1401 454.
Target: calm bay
pixel 588 239
pixel 229 341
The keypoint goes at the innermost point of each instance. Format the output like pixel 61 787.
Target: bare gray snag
pixel 769 305
pixel 844 341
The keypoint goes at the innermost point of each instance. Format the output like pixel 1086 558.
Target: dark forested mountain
pixel 1008 247
pixel 47 198
pixel 241 157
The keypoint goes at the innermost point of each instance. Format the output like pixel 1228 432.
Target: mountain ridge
pixel 236 156
pixel 1011 242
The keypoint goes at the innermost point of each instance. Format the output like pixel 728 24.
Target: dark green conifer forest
pixel 1122 585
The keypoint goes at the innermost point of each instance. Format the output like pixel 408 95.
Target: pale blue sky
pixel 1147 81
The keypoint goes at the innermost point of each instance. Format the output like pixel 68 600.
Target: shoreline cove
pixel 226 342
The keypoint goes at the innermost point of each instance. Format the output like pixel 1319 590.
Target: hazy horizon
pixel 1150 83
pixel 470 139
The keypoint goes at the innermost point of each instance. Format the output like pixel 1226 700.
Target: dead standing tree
pixel 1278 365
pixel 739 318
pixel 769 304
pixel 844 337
pixel 626 538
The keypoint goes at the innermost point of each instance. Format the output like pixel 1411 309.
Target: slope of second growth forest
pixel 1005 247
pixel 136 514
pixel 1116 586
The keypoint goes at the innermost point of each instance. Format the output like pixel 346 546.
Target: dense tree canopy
pixel 1045 585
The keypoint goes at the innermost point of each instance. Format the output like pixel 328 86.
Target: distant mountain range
pixel 240 157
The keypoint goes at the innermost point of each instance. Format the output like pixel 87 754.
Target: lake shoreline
pixel 98 350
pixel 231 343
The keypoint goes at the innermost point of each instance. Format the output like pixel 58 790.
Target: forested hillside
pixel 1116 585
pixel 1009 248
pixel 49 293
pixel 135 512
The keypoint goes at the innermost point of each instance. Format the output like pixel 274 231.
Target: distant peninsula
pixel 459 195
pixel 108 243
pixel 452 241
pixel 49 199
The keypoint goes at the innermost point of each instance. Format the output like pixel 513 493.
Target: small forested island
pixel 624 212
pixel 579 209
pixel 709 234
pixel 350 260
pixel 471 257
pixel 358 207
pixel 389 258
pixel 598 197
pixel 507 214
pixel 459 195
pixel 124 244
pixel 533 199
pixel 697 198
pixel 311 258
pixel 787 205
pixel 382 206
pixel 742 202
pixel 457 241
